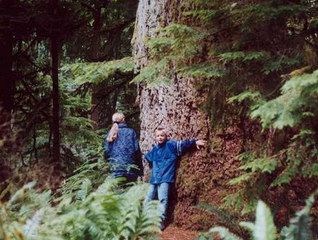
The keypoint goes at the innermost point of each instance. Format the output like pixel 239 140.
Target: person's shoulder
pixel 171 141
pixel 128 130
pixel 153 148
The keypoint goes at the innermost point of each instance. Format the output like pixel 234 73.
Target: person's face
pixel 161 137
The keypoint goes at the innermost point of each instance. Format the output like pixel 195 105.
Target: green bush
pixel 108 212
pixel 264 228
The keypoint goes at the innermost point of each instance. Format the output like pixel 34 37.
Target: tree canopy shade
pixel 37 37
pixel 242 74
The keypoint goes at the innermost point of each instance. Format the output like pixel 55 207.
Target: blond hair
pixel 117 117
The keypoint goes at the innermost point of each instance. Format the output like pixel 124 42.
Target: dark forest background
pixel 66 66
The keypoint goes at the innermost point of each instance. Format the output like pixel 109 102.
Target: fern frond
pixel 224 233
pixel 265 228
pixel 299 227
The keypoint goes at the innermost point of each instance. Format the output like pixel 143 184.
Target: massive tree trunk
pixel 201 175
pixel 173 106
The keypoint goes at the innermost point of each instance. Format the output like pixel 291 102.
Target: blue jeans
pixel 161 191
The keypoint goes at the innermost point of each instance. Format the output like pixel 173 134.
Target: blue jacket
pixel 124 154
pixel 163 159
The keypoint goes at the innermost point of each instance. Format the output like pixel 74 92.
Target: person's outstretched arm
pixel 182 146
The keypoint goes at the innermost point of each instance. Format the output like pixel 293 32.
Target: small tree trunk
pixel 56 100
pixel 6 90
pixel 55 47
pixel 6 76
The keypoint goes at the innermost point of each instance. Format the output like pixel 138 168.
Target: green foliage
pixel 176 44
pixel 252 179
pixel 280 63
pixel 22 211
pixel 241 56
pixel 265 229
pixel 226 217
pixel 299 227
pixel 177 41
pixel 98 72
pixel 89 30
pixel 260 165
pixel 203 70
pixel 105 213
pixel 154 73
pixel 224 233
pixel 102 86
pixel 243 201
pixel 231 47
pixel 295 107
pixel 85 179
pixel 297 103
pixel 253 98
pixel 242 178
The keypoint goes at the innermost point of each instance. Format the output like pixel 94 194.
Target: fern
pixel 225 216
pixel 175 45
pixel 203 14
pixel 224 233
pixel 105 213
pixel 204 70
pixel 265 229
pixel 32 224
pixel 299 227
pixel 98 72
pixel 242 56
pixel 287 109
pixel 256 165
pixel 85 179
pixel 155 73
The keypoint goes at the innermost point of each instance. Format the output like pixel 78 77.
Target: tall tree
pixel 6 60
pixel 55 48
pixel 172 105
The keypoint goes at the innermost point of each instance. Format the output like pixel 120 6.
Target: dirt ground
pixel 175 233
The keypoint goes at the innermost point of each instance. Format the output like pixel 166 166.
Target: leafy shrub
pixel 108 212
pixel 264 228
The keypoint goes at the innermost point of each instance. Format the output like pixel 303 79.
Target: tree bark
pixel 174 106
pixel 56 99
pixel 201 175
pixel 6 76
pixel 7 88
pixel 55 48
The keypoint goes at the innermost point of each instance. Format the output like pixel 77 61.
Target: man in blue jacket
pixel 162 159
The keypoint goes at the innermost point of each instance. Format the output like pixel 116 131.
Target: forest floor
pixel 175 233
